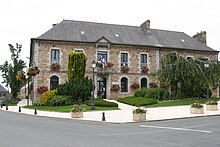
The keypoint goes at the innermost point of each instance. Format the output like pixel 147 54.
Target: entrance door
pixel 101 87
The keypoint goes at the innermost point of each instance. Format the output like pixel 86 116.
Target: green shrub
pixel 138 101
pixel 60 100
pixel 157 93
pixel 101 103
pixel 78 89
pixel 140 92
pixel 45 97
pixel 139 110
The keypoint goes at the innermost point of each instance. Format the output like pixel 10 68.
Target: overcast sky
pixel 25 19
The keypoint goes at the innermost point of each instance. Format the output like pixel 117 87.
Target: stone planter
pixel 197 110
pixel 212 107
pixel 76 114
pixel 139 116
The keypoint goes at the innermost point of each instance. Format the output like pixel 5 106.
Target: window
pixel 55 56
pixel 189 58
pixel 78 50
pixel 143 83
pixel 0 94
pixel 124 59
pixel 124 84
pixel 143 59
pixel 54 82
pixel 102 56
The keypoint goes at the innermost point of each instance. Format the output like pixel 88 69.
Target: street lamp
pixel 206 64
pixel 93 85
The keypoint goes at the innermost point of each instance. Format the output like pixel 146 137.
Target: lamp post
pixel 206 64
pixel 93 85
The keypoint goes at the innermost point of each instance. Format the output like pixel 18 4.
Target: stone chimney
pixel 146 25
pixel 201 37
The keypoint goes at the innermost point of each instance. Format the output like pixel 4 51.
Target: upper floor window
pixel 102 56
pixel 143 59
pixel 55 56
pixel 124 59
pixel 78 50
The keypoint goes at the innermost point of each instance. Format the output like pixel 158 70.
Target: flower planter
pixel 76 114
pixel 212 107
pixel 197 110
pixel 139 116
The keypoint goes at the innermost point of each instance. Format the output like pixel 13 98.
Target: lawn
pixel 68 108
pixel 179 103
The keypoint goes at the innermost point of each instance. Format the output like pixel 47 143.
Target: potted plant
pixel 139 114
pixel 55 66
pixel 33 71
pixel 77 111
pixel 109 65
pixel 125 68
pixel 135 85
pixel 211 106
pixel 99 64
pixel 144 69
pixel 20 75
pixel 196 108
pixel 115 87
pixel 42 89
pixel 153 85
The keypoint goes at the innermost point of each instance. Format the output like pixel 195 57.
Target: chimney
pixel 201 37
pixel 146 25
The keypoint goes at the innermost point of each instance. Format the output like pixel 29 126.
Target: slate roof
pixel 69 30
pixel 2 89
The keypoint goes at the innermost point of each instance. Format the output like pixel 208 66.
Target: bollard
pixel 103 116
pixel 6 107
pixel 35 111
pixel 1 106
pixel 19 109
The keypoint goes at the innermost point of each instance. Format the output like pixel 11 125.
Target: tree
pixel 11 70
pixel 76 65
pixel 187 78
pixel 78 86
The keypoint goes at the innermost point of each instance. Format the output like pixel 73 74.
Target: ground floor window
pixel 144 83
pixel 54 82
pixel 124 84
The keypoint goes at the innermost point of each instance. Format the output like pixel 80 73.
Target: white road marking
pixel 179 129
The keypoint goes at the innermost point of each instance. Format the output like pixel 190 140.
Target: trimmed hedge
pixel 138 101
pixel 157 93
pixel 101 103
pixel 60 100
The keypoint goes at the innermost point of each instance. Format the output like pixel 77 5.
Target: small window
pixel 124 59
pixel 78 50
pixel 54 82
pixel 189 58
pixel 124 84
pixel 55 56
pixel 0 94
pixel 143 59
pixel 143 83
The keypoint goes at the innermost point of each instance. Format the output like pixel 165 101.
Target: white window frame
pixel 140 64
pixel 53 61
pixel 78 50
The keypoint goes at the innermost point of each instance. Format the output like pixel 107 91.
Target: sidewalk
pixel 120 116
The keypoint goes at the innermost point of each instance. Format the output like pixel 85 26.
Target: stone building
pixel 126 55
pixel 4 93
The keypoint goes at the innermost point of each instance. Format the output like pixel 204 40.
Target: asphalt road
pixel 20 130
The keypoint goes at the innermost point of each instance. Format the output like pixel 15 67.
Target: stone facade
pixel 42 56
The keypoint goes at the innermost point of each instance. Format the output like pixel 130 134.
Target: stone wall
pixel 134 75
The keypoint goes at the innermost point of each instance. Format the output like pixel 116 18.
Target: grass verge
pixel 68 108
